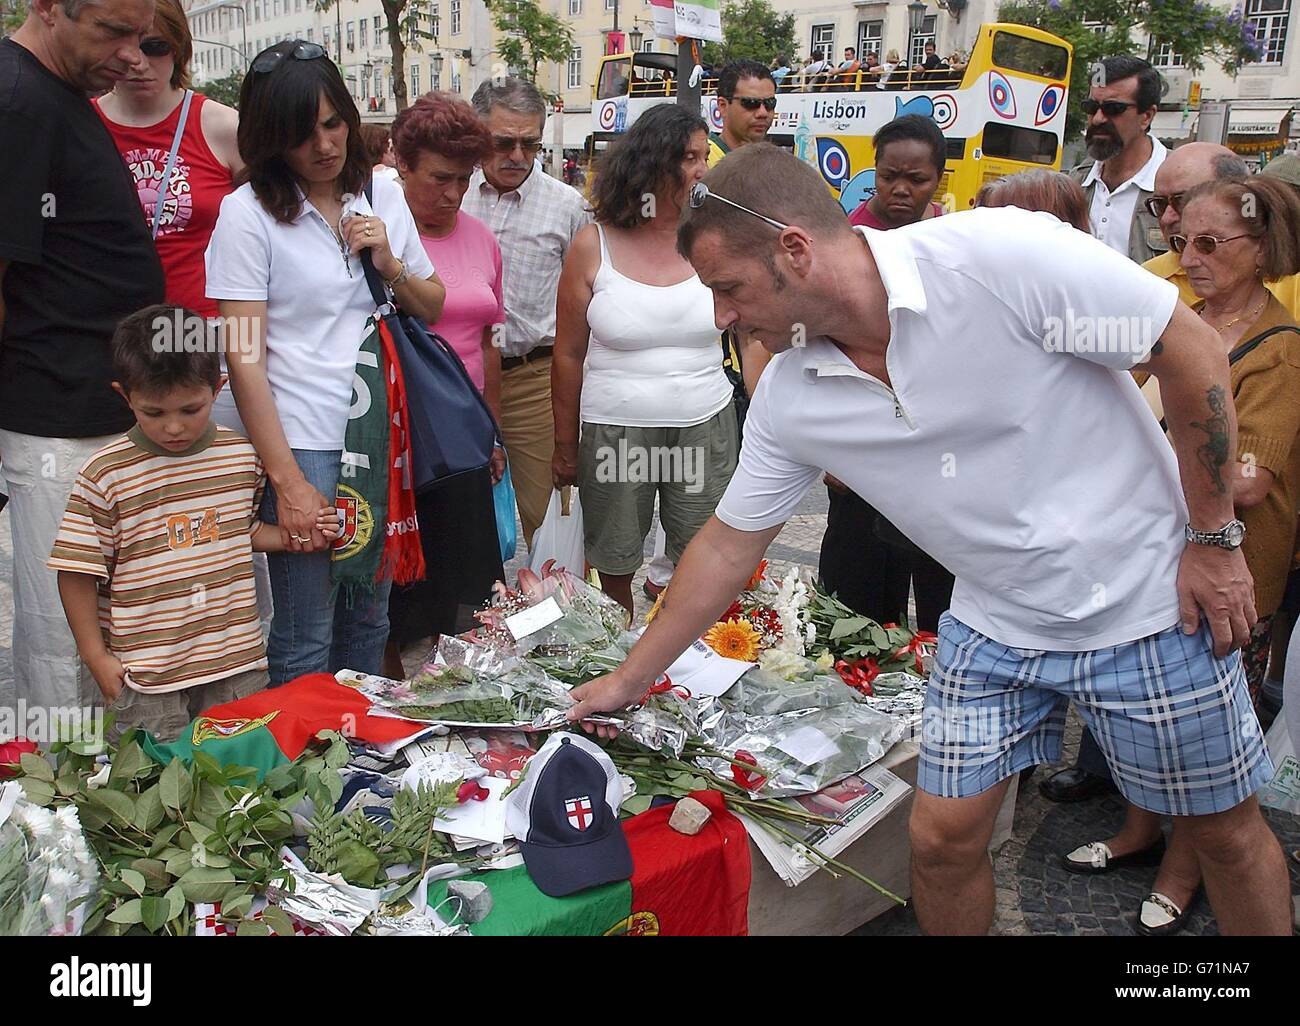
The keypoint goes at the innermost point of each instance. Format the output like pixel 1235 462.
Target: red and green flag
pixel 274 726
pixel 680 886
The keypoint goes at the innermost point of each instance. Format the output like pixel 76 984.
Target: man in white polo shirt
pixel 1121 176
pixel 949 373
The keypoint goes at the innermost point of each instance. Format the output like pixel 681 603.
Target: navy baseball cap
pixel 565 816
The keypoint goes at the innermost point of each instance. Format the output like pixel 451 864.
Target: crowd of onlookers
pixel 183 518
pixel 821 72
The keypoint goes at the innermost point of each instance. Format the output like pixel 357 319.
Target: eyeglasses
pixel 155 47
pixel 1158 204
pixel 270 59
pixel 1206 244
pixel 1111 108
pixel 753 102
pixel 506 144
pixel 700 192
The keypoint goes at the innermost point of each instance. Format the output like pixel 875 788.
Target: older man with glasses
pixel 1125 156
pixel 534 218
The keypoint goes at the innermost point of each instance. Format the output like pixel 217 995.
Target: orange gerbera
pixel 735 639
pixel 757 575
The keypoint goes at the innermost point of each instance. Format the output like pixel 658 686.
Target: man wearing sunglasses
pixel 1093 562
pixel 75 258
pixel 747 106
pixel 534 218
pixel 1125 156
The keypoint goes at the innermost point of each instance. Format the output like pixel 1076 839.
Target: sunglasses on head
pixel 1111 108
pixel 1159 204
pixel 700 192
pixel 155 47
pixel 506 144
pixel 753 102
pixel 270 59
pixel 1206 244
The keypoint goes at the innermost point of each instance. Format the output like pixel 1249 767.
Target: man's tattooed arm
pixel 1213 454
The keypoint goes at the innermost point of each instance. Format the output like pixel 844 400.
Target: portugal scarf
pixel 380 539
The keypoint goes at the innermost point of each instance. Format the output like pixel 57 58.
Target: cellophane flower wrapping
pixel 48 874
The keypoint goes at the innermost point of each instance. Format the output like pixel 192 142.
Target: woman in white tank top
pixel 642 406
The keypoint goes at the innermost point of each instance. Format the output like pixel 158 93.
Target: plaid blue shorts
pixel 1175 723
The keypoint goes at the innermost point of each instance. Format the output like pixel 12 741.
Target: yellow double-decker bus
pixel 1004 112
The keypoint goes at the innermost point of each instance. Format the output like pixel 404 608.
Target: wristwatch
pixel 1229 536
pixel 402 276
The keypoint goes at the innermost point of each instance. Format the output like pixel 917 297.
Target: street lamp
pixel 243 27
pixel 635 36
pixel 915 22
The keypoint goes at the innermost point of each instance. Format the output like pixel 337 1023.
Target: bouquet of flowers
pixel 589 618
pixel 47 871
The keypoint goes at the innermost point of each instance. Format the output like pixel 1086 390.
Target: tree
pixel 751 30
pixel 12 14
pixel 1197 31
pixel 405 19
pixel 529 36
pixel 223 90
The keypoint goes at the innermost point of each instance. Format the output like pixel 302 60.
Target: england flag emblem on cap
pixel 578 811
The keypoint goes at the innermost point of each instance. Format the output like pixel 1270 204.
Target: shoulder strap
pixel 378 290
pixel 165 185
pixel 1250 344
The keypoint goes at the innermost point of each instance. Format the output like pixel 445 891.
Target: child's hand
pixel 109 674
pixel 327 522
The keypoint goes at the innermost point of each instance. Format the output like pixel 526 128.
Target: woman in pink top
pixel 439 140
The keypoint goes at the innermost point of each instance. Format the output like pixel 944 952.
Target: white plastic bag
pixel 1283 791
pixel 560 536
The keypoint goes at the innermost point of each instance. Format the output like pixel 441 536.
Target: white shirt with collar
pixel 317 302
pixel 534 225
pixel 1111 213
pixel 1037 476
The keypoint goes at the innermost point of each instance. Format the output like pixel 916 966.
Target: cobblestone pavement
pixel 1034 894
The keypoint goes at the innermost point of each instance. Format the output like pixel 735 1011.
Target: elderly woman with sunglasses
pixel 284 266
pixel 637 361
pixel 153 111
pixel 1234 236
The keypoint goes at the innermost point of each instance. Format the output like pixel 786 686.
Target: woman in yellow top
pixel 1235 235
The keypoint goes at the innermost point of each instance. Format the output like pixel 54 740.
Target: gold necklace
pixel 1252 315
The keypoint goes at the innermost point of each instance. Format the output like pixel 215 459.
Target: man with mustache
pixel 534 218
pixel 75 258
pixel 1125 157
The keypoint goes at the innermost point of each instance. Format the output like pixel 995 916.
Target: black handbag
pixel 451 428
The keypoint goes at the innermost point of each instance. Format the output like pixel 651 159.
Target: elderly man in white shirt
pixel 951 374
pixel 534 218
pixel 1121 176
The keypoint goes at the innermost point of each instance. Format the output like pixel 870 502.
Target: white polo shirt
pixel 1111 213
pixel 317 302
pixel 1037 476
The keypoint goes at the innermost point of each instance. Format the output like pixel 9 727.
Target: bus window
pixel 613 80
pixel 1011 142
pixel 1017 53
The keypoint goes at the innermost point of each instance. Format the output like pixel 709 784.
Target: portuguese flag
pixel 680 886
pixel 274 726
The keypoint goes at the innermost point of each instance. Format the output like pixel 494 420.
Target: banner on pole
pixel 699 19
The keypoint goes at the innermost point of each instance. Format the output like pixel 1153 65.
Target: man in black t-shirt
pixel 75 258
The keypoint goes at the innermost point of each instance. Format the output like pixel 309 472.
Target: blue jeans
pixel 315 630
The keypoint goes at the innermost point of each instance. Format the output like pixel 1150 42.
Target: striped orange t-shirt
pixel 169 535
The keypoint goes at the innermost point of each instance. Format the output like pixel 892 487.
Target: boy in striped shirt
pixel 154 554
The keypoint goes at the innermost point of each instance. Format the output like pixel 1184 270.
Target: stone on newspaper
pixel 689 816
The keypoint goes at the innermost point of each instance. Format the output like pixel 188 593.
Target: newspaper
pixel 858 801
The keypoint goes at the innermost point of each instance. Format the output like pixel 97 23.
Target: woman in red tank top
pixel 141 114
